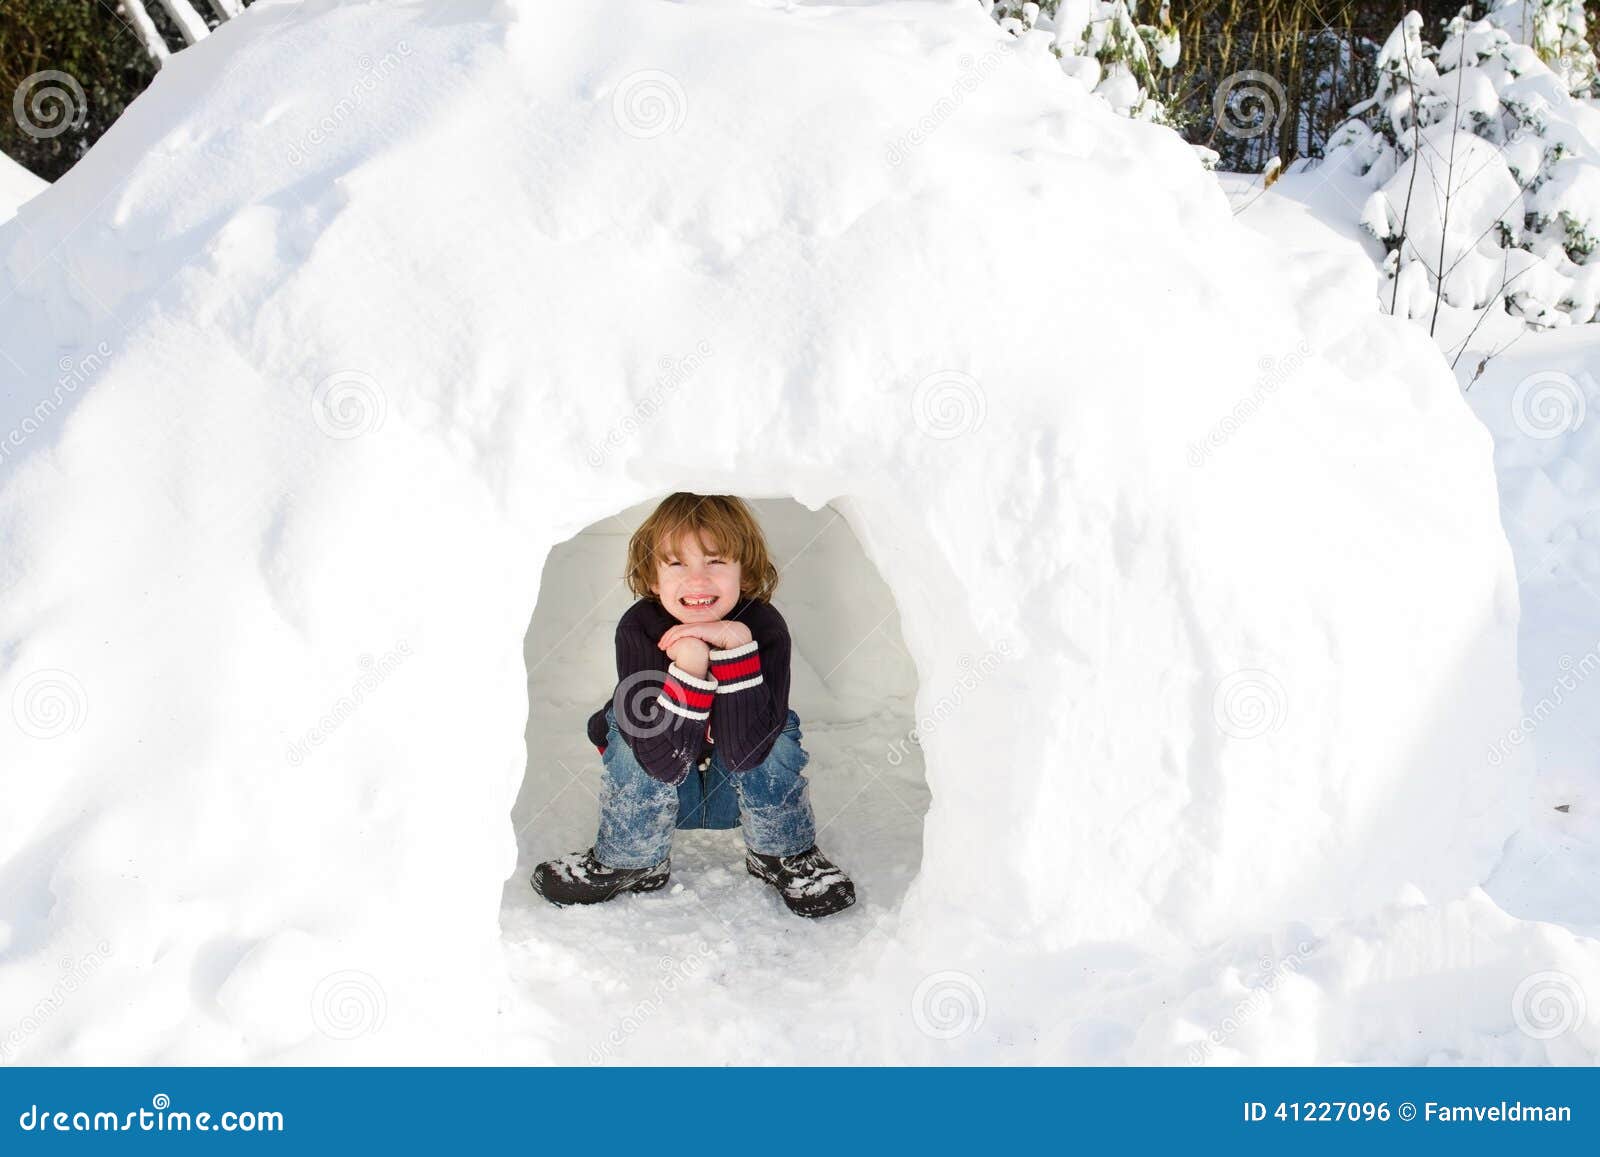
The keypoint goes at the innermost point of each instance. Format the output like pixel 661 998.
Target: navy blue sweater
pixel 669 718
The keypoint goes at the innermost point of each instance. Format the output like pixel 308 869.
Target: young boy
pixel 702 696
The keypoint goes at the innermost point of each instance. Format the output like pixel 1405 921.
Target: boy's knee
pixel 623 768
pixel 785 758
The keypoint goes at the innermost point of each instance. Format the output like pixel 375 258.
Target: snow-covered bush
pixel 1102 45
pixel 1508 207
pixel 1555 29
pixel 156 23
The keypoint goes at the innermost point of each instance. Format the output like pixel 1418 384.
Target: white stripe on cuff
pixel 680 709
pixel 684 677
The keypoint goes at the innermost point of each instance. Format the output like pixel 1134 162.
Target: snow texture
pixel 17 185
pixel 366 308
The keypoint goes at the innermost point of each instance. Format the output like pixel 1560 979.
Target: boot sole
pixel 826 906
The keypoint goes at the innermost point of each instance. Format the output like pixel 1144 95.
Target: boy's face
pixel 695 582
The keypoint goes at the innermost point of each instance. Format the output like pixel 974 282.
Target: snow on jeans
pixel 638 813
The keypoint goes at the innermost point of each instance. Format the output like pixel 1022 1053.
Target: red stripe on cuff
pixel 737 669
pixel 688 696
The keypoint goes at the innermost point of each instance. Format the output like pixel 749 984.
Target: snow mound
pixel 360 309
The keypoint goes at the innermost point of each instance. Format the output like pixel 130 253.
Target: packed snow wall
pixel 359 309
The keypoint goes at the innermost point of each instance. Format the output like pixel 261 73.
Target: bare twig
pixel 1499 298
pixel 1444 226
pixel 1416 162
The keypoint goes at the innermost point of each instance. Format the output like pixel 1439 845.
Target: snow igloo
pixel 360 310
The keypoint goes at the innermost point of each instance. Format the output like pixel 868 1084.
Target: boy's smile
pixel 697 584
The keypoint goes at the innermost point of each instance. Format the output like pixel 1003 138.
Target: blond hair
pixel 726 521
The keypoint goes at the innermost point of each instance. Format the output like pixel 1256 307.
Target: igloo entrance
pixel 853 686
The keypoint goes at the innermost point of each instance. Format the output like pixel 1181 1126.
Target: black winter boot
pixel 810 883
pixel 579 878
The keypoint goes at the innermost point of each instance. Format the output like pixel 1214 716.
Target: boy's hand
pixel 721 635
pixel 691 655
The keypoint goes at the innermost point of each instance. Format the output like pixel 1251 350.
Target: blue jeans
pixel 639 813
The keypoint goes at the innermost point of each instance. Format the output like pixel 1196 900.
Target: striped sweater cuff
pixel 737 668
pixel 685 695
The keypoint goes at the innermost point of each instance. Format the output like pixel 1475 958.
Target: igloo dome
pixel 361 309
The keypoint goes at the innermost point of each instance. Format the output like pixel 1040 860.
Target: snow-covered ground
pixel 364 325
